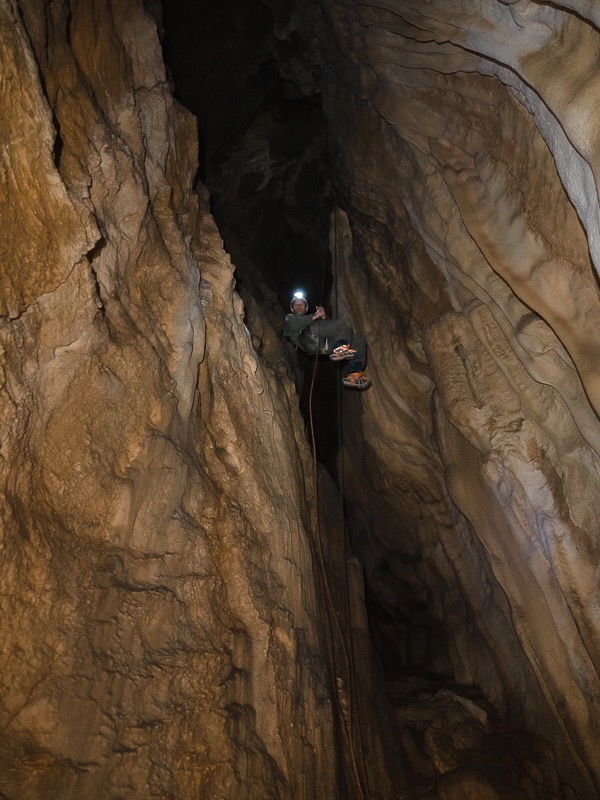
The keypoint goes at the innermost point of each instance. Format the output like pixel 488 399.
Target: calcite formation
pixel 162 622
pixel 182 615
pixel 465 139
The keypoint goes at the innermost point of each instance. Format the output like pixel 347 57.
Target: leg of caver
pixel 331 333
pixel 358 343
pixel 325 335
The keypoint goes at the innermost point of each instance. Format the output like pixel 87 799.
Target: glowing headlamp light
pixel 298 295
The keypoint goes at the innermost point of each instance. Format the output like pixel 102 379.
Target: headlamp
pixel 299 295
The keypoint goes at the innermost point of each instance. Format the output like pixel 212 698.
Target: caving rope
pixel 345 698
pixel 353 688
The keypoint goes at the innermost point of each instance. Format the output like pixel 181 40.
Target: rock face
pixel 176 607
pixel 468 254
pixel 162 633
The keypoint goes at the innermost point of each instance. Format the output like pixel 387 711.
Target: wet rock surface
pixel 179 618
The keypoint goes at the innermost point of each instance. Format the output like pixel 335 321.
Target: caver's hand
pixel 320 313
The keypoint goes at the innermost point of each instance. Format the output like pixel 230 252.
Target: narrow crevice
pixel 92 255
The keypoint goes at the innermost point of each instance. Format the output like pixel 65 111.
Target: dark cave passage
pixel 265 160
pixel 267 165
pixel 265 157
pixel 264 146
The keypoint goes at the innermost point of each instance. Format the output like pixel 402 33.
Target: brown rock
pixel 161 631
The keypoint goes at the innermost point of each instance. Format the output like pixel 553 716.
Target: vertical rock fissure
pixel 164 628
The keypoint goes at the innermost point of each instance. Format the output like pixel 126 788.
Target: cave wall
pixel 465 157
pixel 163 617
pixel 162 632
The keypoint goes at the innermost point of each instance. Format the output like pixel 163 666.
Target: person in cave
pixel 315 334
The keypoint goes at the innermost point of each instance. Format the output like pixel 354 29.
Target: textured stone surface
pixel 465 141
pixel 164 613
pixel 162 634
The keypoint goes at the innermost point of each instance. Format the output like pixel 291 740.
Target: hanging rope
pixel 342 488
pixel 345 699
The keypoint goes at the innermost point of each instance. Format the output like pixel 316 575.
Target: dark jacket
pixel 307 338
pixel 294 325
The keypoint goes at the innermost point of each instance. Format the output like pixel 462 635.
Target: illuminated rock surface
pixel 166 631
pixel 470 263
pixel 161 632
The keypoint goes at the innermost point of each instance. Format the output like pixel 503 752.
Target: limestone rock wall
pixel 163 618
pixel 465 141
pixel 161 629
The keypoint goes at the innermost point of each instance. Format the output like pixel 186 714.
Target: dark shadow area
pixel 265 161
pixel 325 406
pixel 263 140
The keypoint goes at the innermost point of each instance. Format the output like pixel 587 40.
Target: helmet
pixel 299 295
